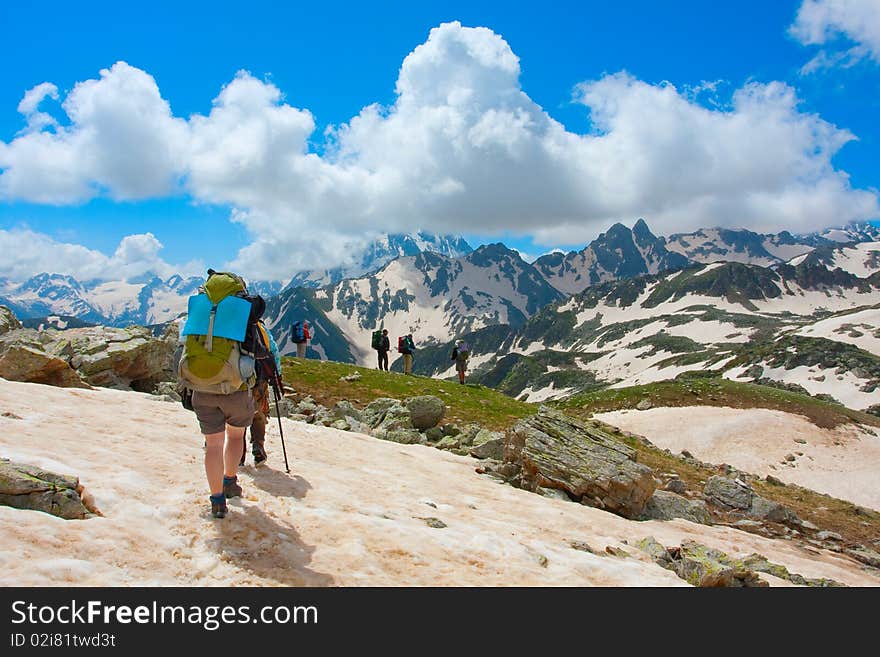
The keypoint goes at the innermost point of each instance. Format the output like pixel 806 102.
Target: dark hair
pixel 384 331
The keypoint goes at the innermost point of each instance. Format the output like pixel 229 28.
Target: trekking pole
pixel 277 394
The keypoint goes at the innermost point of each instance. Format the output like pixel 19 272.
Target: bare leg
pixel 214 461
pixel 232 453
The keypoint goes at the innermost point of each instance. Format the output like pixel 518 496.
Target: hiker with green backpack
pixel 406 346
pixel 219 366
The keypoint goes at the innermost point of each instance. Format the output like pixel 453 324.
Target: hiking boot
pixel 218 506
pixel 231 487
pixel 259 456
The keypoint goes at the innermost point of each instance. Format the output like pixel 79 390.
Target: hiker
pixel 300 335
pixel 384 348
pixel 215 367
pixel 406 346
pixel 261 402
pixel 460 354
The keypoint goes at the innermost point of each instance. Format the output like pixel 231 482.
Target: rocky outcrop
pixel 664 505
pixel 129 358
pixel 28 487
pixel 553 450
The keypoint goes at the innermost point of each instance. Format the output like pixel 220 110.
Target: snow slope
pixel 351 513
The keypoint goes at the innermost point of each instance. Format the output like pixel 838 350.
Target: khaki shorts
pixel 215 411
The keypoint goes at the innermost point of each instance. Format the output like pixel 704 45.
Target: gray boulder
pixel 765 509
pixel 664 505
pixel 727 494
pixel 344 410
pixel 489 449
pixel 557 451
pixel 425 411
pixel 29 487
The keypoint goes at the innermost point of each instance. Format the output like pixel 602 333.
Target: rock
pixel 434 434
pixel 676 486
pixel 800 440
pixel 436 523
pixel 403 436
pixel 299 417
pixel 351 377
pixel 664 505
pixel 582 546
pixel 344 410
pixel 425 411
pixel 829 536
pixel 770 511
pixel 29 487
pixel 490 449
pixel 705 567
pixel 8 321
pixel 21 360
pixel 396 417
pixel 790 457
pixel 168 389
pixel 686 454
pixel 644 405
pixel 864 555
pixel 557 451
pixel 761 564
pixel 342 425
pixel 306 408
pixel 450 430
pixel 727 494
pixel 657 552
pixel 748 524
pixel 448 442
pixel 128 358
pixel 770 479
pixel 375 411
pixel 468 433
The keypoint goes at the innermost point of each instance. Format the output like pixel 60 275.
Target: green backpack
pixel 211 363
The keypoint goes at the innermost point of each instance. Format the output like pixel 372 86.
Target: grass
pixel 467 403
pixel 691 391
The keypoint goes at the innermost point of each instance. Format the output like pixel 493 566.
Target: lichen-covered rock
pixel 726 493
pixel 344 410
pixel 395 417
pixel 557 451
pixel 665 505
pixel 657 552
pixel 434 434
pixel 467 434
pixel 489 449
pixel 375 411
pixel 772 511
pixel 29 487
pixel 703 566
pixel 403 436
pixel 448 442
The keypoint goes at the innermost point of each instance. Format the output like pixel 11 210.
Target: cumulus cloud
pixel 122 141
pixel 462 149
pixel 35 252
pixel 838 23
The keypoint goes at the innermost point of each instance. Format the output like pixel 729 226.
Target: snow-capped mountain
pixel 432 296
pixel 807 324
pixel 380 252
pixel 113 303
pixel 615 254
pixel 725 245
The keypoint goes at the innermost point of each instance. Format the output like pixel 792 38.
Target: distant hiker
pixel 460 354
pixel 406 346
pixel 261 393
pixel 383 346
pixel 219 368
pixel 301 337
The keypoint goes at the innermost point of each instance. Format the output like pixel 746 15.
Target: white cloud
pixel 36 120
pixel 462 149
pixel 820 22
pixel 36 252
pixel 122 140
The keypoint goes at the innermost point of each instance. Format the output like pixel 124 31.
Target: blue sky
pixel 541 130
